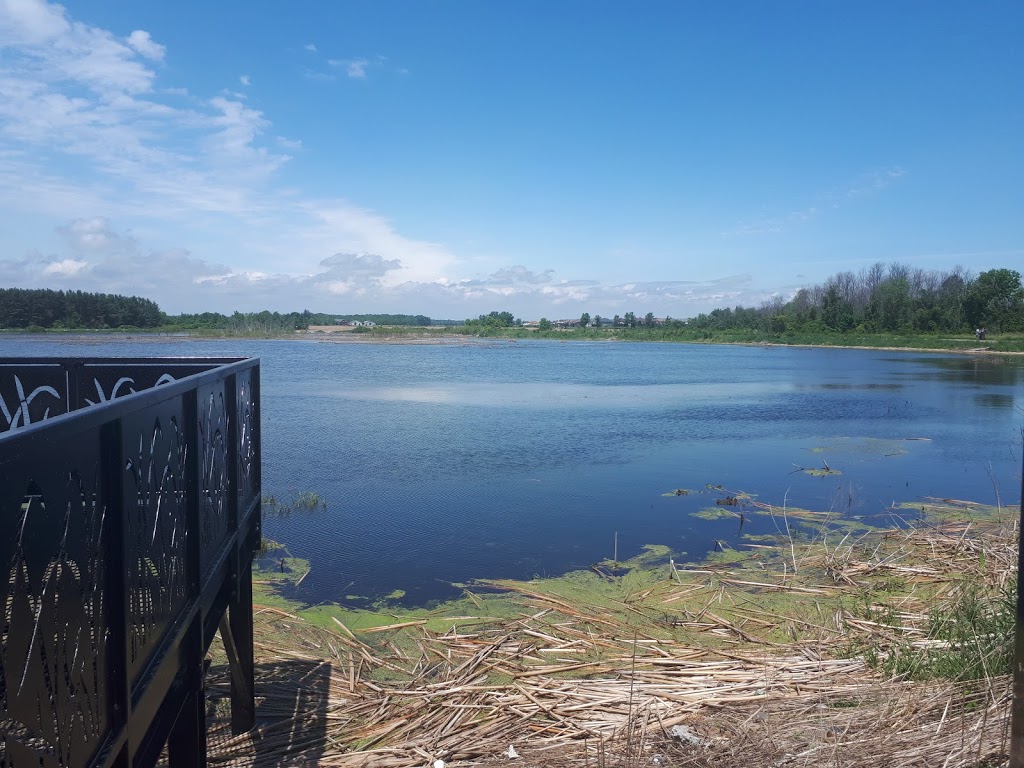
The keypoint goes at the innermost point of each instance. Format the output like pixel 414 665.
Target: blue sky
pixel 549 158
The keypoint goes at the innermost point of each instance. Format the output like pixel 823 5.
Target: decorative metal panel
pixel 101 382
pixel 55 700
pixel 106 519
pixel 31 394
pixel 155 488
pixel 214 524
pixel 246 404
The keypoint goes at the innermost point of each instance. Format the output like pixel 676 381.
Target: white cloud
pixel 865 184
pixel 357 68
pixel 873 180
pixel 75 96
pixel 310 47
pixel 354 68
pixel 30 21
pixel 314 74
pixel 340 225
pixel 103 259
pixel 45 48
pixel 145 46
pixel 66 267
pixel 96 235
pixel 245 80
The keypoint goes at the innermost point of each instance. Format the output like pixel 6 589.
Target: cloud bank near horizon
pixel 96 257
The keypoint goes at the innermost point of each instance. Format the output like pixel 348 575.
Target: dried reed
pixel 760 683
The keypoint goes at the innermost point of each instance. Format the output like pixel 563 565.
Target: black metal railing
pixel 129 514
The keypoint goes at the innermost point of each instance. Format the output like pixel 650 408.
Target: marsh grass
pixel 803 653
pixel 970 638
pixel 294 503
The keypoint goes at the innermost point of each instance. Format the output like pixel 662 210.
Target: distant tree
pixel 951 297
pixel 21 307
pixel 616 322
pixel 997 299
pixel 545 324
pixel 495 320
pixel 649 320
pixel 584 320
pixel 836 313
pixel 597 321
pixel 630 320
pixel 890 305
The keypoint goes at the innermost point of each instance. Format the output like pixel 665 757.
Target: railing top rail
pixel 126 403
pixel 148 359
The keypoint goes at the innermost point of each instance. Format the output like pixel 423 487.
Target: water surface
pixel 449 462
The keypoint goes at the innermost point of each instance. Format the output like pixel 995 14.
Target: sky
pixel 544 157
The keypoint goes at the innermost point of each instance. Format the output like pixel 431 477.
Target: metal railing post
pixel 1017 708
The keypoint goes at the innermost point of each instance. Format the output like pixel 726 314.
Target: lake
pixel 443 463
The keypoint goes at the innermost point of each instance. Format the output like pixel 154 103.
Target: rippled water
pixel 444 463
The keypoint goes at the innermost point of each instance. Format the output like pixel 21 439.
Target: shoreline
pixel 468 339
pixel 400 338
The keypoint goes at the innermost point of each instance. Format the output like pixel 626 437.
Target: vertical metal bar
pixel 186 744
pixel 193 492
pixel 238 637
pixel 116 578
pixel 243 682
pixel 257 438
pixel 231 410
pixel 1017 708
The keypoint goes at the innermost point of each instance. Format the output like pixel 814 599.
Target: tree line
pixel 45 308
pixel 275 323
pixel 887 299
pixel 493 320
pixel 49 309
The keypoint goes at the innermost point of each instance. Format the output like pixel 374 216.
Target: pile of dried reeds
pixel 570 684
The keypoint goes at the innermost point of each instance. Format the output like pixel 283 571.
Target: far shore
pixel 400 336
pixel 440 338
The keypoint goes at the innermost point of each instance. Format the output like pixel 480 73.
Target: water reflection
pixel 962 369
pixel 555 395
pixel 837 385
pixel 994 400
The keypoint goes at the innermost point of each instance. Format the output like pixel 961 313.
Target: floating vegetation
pixel 678 492
pixel 823 471
pixel 275 570
pixel 715 513
pixel 867 447
pixel 936 510
pixel 305 501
